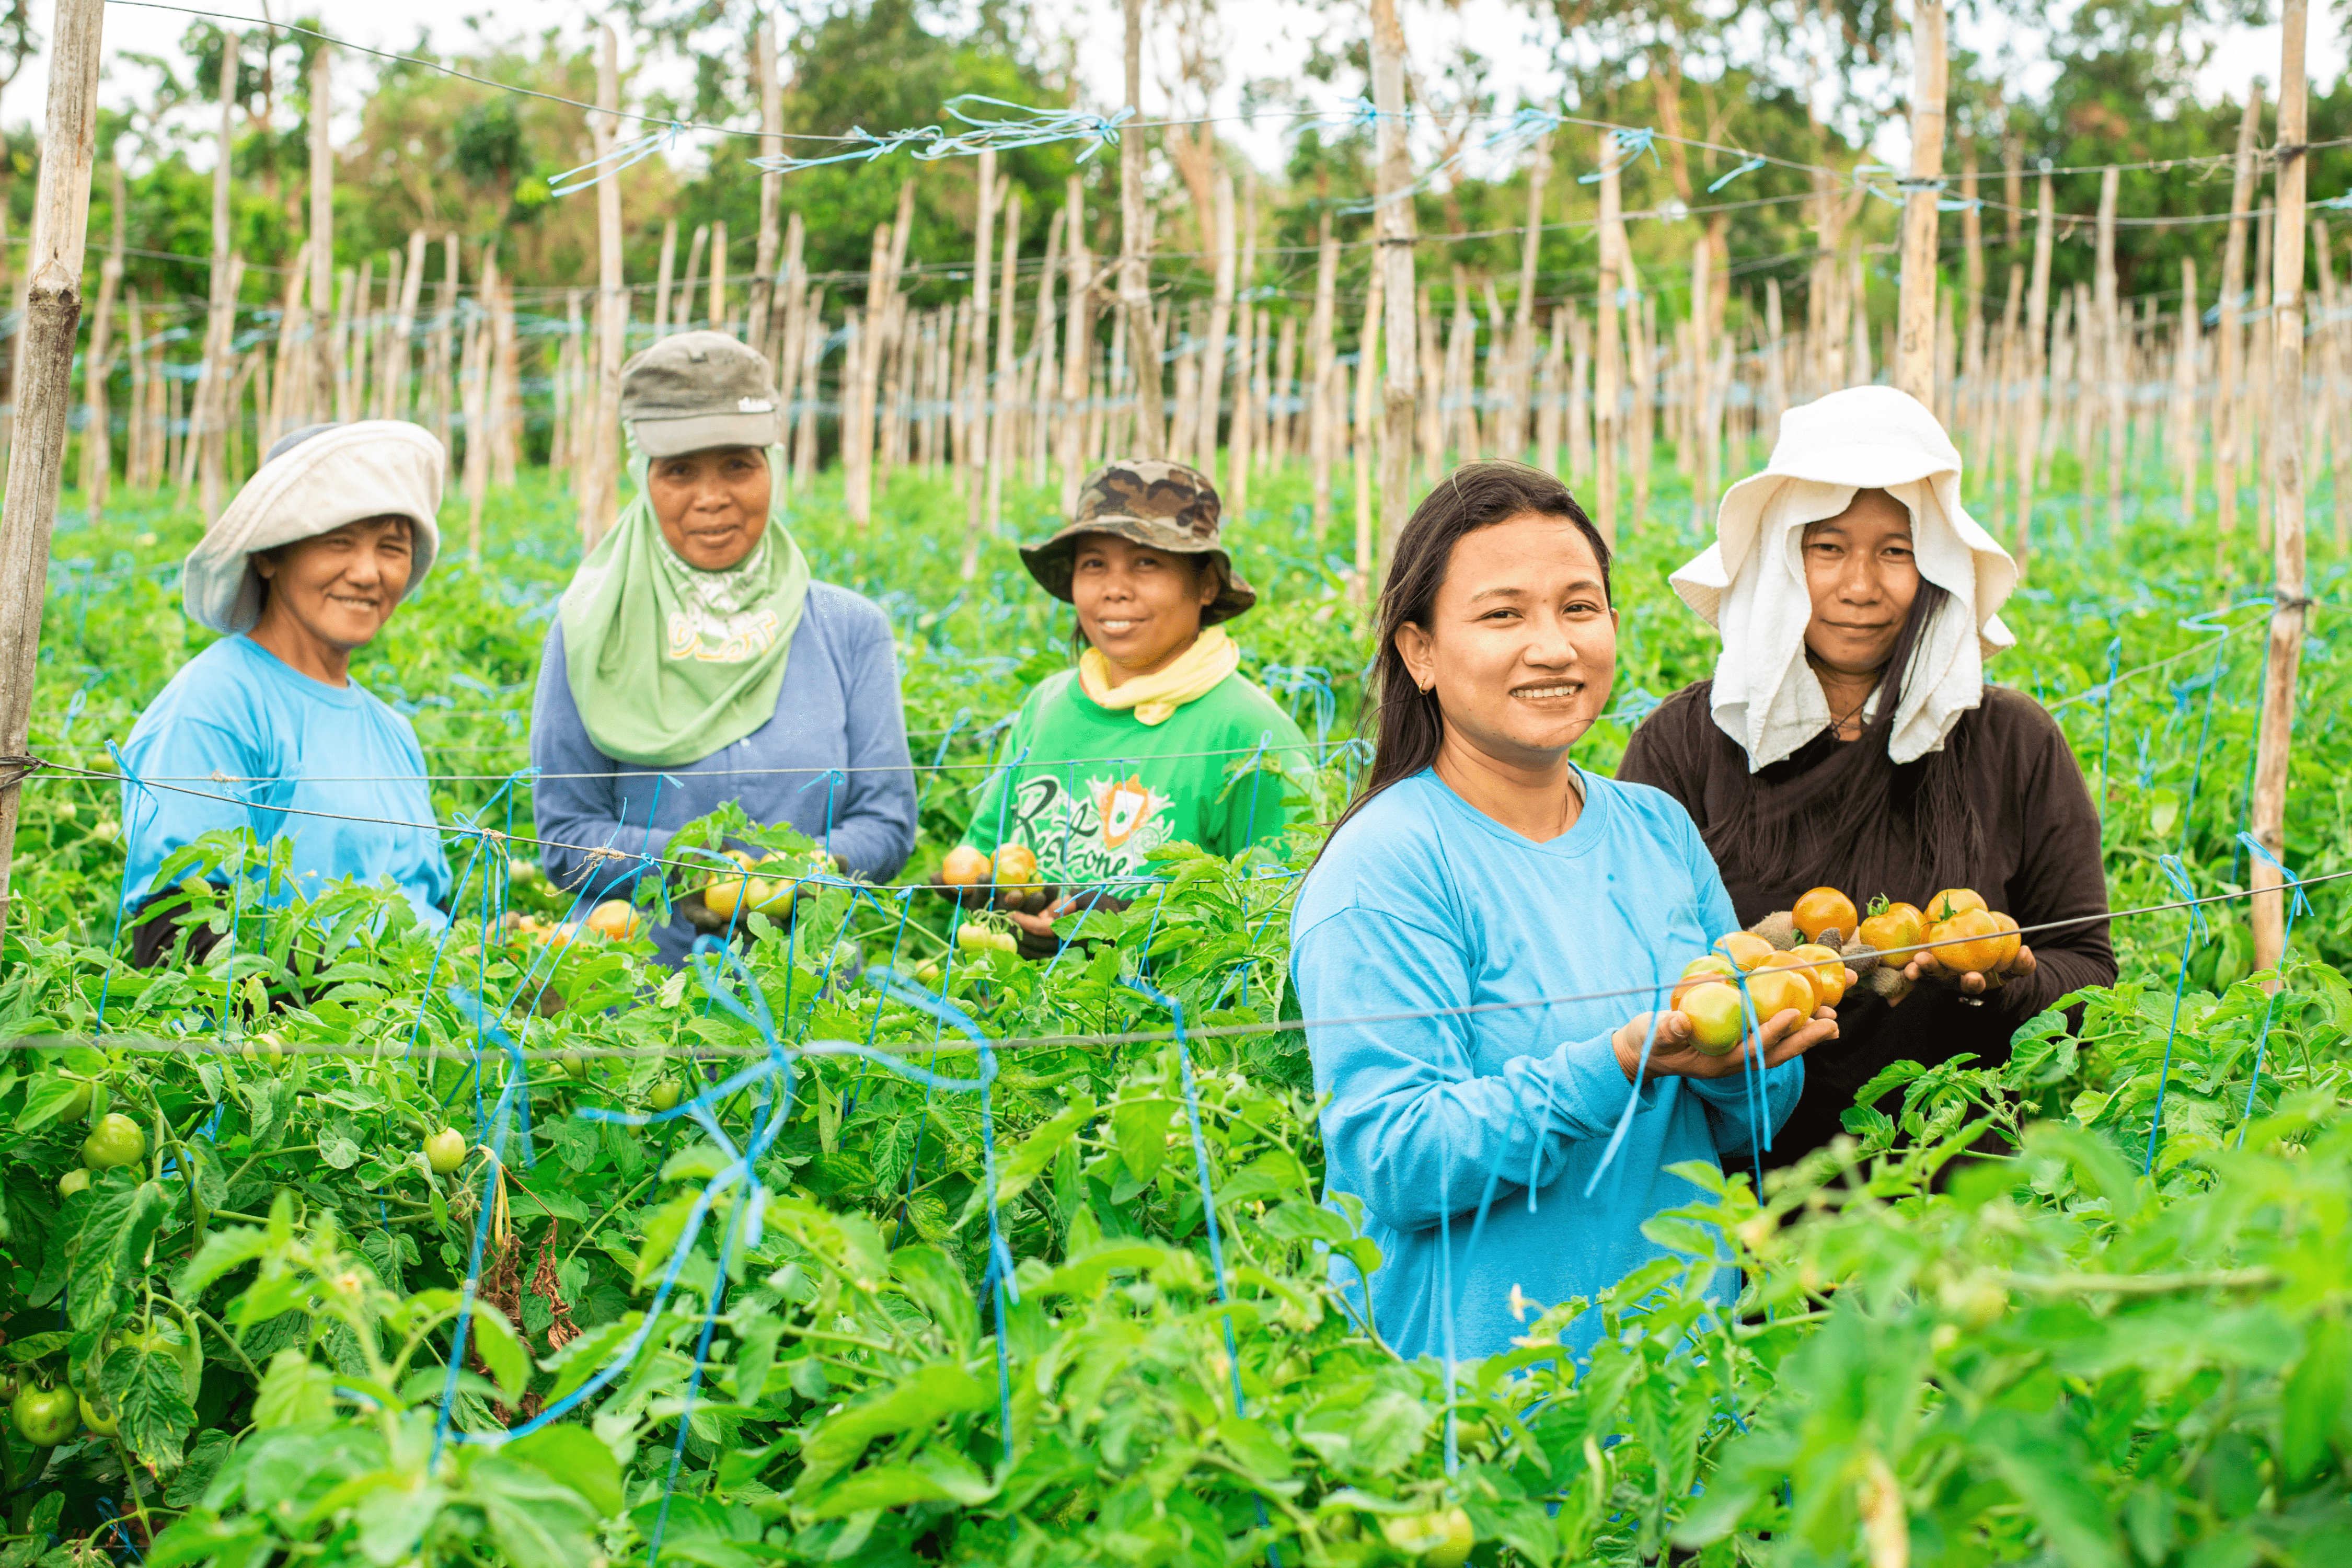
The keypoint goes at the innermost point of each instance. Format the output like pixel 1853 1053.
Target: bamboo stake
pixel 2115 343
pixel 1702 395
pixel 600 503
pixel 1045 353
pixel 1969 411
pixel 474 389
pixel 504 399
pixel 1221 323
pixel 98 425
pixel 325 369
pixel 2288 588
pixel 1368 353
pixel 1394 231
pixel 1604 352
pixel 1776 362
pixel 2184 391
pixel 2226 432
pixel 1002 418
pixel 1522 325
pixel 771 186
pixel 1134 277
pixel 2037 327
pixel 1079 332
pixel 1549 390
pixel 2009 354
pixel 682 316
pixel 719 276
pixel 44 382
pixel 1322 408
pixel 211 399
pixel 976 443
pixel 444 357
pixel 1914 345
pixel 665 275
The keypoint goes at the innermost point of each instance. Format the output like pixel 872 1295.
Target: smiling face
pixel 1862 576
pixel 1140 607
pixel 711 506
pixel 336 589
pixel 1521 644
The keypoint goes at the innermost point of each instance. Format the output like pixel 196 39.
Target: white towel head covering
pixel 1749 584
pixel 311 481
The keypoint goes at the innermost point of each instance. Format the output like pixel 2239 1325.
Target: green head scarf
pixel 668 663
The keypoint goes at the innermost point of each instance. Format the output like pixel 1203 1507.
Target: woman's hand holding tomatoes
pixel 1676 1050
pixel 1970 949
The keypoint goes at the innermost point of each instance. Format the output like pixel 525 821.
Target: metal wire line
pixel 1221 1031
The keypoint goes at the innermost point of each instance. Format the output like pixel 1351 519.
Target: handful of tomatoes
pixel 1807 977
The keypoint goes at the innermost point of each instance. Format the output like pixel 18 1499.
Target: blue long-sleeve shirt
pixel 1422 902
pixel 283 745
pixel 838 710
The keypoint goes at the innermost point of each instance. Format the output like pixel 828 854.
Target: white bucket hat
pixel 1750 584
pixel 312 482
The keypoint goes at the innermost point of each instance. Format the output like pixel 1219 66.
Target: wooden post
pixel 323 358
pixel 718 275
pixel 682 309
pixel 1078 332
pixel 1915 343
pixel 976 420
pixel 1972 424
pixel 771 186
pixel 1605 416
pixel 2288 589
pixel 2227 437
pixel 98 423
pixel 1221 324
pixel 1368 353
pixel 2184 391
pixel 444 357
pixel 665 277
pixel 1242 443
pixel 1322 410
pixel 1706 481
pixel 2037 360
pixel 1521 421
pixel 474 389
pixel 212 410
pixel 44 387
pixel 1393 244
pixel 1002 423
pixel 1134 276
pixel 2115 340
pixel 601 496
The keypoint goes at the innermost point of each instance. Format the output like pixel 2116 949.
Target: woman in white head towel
pixel 302 570
pixel 1849 739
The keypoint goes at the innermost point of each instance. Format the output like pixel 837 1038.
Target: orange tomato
pixel 1015 867
pixel 1788 963
pixel 613 919
pixel 964 868
pixel 1892 929
pixel 1775 990
pixel 1828 971
pixel 2010 941
pixel 1969 942
pixel 1824 910
pixel 1952 902
pixel 1746 949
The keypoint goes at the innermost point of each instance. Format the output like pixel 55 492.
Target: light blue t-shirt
pixel 1422 902
pixel 280 739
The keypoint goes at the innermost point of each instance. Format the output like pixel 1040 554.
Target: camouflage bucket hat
pixel 1150 501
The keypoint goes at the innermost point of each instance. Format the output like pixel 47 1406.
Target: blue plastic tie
pixel 2179 873
pixel 2298 905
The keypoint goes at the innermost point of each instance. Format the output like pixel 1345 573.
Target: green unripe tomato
pixel 663 1096
pixel 74 1181
pixel 104 1426
pixel 115 1141
pixel 575 1066
pixel 445 1151
pixel 1442 1539
pixel 77 1107
pixel 45 1417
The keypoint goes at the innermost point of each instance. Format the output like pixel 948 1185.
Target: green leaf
pixel 1299 1220
pixel 2313 1400
pixel 150 1395
pixel 934 1475
pixel 537 1520
pixel 1139 1127
pixel 1253 1447
pixel 2050 1478
pixel 572 1455
pixel 936 1282
pixel 46 1101
pixel 755 1353
pixel 223 1250
pixel 930 1395
pixel 395 1516
pixel 1036 1152
pixel 663 1229
pixel 111 1247
pixel 293 1390
pixel 501 1350
pixel 579 1360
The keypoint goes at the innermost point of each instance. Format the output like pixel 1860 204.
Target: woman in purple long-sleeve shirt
pixel 695 662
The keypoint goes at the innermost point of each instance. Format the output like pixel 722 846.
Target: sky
pixel 1263 39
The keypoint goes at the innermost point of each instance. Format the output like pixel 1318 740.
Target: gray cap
pixel 694 390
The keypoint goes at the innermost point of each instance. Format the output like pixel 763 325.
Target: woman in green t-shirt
pixel 1154 738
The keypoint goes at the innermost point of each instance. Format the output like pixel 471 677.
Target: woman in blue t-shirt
pixel 332 532
pixel 1481 868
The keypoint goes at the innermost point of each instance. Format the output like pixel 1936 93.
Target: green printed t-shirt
pixel 1093 790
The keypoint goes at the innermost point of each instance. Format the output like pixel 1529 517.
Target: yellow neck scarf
pixel 1156 697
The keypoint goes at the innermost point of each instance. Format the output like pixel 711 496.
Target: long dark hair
pixel 1830 796
pixel 1408 727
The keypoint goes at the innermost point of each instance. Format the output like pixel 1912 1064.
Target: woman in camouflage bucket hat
pixel 1145 742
